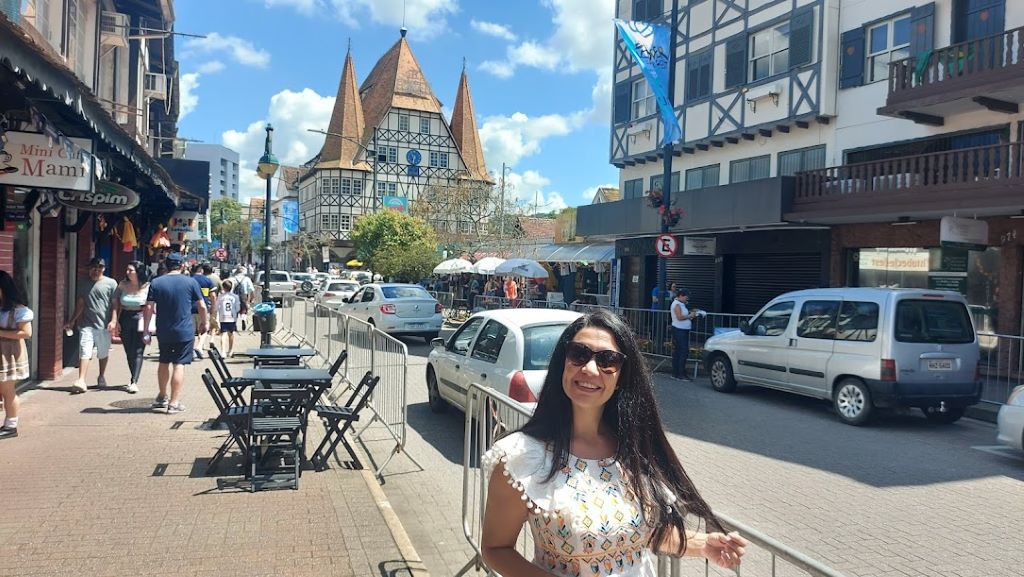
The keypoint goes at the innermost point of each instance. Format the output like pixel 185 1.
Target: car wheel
pixel 437 404
pixel 430 337
pixel 721 375
pixel 951 415
pixel 852 402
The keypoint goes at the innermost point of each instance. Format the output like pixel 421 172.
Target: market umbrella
pixel 522 267
pixel 454 266
pixel 486 265
pixel 354 263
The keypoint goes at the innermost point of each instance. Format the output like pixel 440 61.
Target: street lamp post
pixel 268 165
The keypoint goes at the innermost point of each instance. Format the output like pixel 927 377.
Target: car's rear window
pixel 405 292
pixel 277 277
pixel 538 343
pixel 933 321
pixel 343 286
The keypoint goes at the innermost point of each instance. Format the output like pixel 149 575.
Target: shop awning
pixel 32 64
pixel 577 253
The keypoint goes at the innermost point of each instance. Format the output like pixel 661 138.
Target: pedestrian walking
pixel 228 307
pixel 91 316
pixel 173 295
pixel 682 322
pixel 15 327
pixel 246 292
pixel 511 290
pixel 126 318
pixel 206 288
pixel 210 273
pixel 593 463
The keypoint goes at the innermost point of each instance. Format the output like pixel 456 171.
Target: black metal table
pixel 297 376
pixel 277 356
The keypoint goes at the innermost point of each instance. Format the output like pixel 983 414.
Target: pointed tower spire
pixel 348 120
pixel 464 130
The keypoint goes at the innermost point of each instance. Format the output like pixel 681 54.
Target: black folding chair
pixel 276 436
pixel 338 419
pixel 235 385
pixel 336 365
pixel 236 419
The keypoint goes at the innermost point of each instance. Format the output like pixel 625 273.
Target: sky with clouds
pixel 539 71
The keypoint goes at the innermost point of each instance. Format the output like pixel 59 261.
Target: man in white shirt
pixel 681 325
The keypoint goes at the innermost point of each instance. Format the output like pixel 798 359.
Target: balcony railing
pixel 953 67
pixel 967 168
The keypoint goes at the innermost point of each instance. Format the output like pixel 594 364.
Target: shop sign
pixel 396 203
pixel 963 233
pixel 108 197
pixel 957 284
pixel 183 222
pixel 325 252
pixel 693 245
pixel 14 207
pixel 895 260
pixel 31 159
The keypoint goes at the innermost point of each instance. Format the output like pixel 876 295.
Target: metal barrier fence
pixel 1002 366
pixel 490 415
pixel 487 303
pixel 330 332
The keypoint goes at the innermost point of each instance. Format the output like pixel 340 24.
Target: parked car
pixel 305 284
pixel 398 309
pixel 335 293
pixel 506 349
pixel 1011 420
pixel 861 348
pixel 282 290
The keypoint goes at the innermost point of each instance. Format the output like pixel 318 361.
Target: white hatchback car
pixel 397 309
pixel 335 293
pixel 507 350
pixel 1011 420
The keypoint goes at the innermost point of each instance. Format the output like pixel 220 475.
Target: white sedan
pixel 507 350
pixel 397 309
pixel 335 293
pixel 1011 420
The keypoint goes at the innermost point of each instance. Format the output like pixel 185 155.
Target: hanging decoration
pixel 160 238
pixel 126 236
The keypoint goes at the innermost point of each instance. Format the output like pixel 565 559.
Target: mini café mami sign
pixel 28 159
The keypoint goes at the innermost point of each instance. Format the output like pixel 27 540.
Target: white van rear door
pixel 934 340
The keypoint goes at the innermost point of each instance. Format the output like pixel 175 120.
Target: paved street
pixel 902 497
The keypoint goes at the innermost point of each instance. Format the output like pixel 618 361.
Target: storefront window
pixel 17 218
pixel 975 274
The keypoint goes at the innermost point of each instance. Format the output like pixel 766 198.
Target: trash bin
pixel 263 317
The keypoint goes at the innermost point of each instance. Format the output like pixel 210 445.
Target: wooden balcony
pixel 983 73
pixel 982 181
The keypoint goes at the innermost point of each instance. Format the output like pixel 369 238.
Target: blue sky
pixel 539 70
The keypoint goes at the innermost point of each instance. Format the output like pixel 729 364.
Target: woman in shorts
pixel 228 307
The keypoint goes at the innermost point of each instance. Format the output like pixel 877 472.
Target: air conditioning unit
pixel 121 117
pixel 155 86
pixel 114 29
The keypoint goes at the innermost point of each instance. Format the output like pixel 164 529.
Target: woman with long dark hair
pixel 15 328
pixel 593 473
pixel 126 318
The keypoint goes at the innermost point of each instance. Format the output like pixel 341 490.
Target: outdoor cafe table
pixel 295 376
pixel 278 355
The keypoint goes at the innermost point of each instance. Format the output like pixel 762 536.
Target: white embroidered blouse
pixel 585 521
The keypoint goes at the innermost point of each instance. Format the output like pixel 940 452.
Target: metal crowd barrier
pixel 1002 366
pixel 487 303
pixel 329 332
pixel 490 415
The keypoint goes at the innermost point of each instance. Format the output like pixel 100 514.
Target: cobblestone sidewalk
pixel 100 484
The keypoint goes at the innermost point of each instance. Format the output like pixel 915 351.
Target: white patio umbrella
pixel 454 266
pixel 487 265
pixel 522 267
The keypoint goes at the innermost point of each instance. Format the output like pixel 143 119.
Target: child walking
pixel 228 305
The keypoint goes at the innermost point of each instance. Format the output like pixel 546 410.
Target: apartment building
pixel 823 143
pixel 223 167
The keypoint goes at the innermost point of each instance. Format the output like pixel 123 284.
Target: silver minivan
pixel 861 348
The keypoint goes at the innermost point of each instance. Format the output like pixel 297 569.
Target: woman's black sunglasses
pixel 608 361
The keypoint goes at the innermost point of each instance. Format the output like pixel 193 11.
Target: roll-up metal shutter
pixel 697 275
pixel 754 279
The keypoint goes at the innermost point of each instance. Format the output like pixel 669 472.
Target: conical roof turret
pixel 464 130
pixel 348 120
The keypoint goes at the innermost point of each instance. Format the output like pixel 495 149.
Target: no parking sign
pixel 666 245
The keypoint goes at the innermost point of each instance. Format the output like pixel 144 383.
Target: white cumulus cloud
pixel 424 18
pixel 307 7
pixel 188 99
pixel 493 29
pixel 509 139
pixel 241 50
pixel 291 114
pixel 211 67
pixel 498 68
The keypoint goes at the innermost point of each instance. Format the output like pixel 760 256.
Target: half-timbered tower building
pixel 389 144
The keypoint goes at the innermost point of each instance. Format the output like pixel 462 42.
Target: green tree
pixel 223 211
pixel 378 235
pixel 410 264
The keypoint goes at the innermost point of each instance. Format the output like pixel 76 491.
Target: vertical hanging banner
pixel 649 45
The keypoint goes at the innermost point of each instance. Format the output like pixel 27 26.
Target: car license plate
pixel 940 365
pixel 416 325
